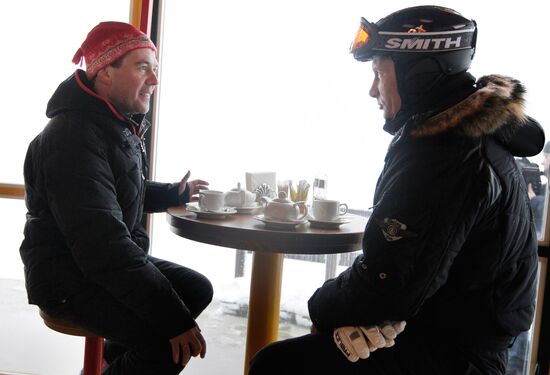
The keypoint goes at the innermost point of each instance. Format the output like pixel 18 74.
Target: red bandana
pixel 108 42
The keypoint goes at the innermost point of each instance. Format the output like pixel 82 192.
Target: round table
pixel 245 232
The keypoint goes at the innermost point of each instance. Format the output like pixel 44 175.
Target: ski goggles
pixel 370 41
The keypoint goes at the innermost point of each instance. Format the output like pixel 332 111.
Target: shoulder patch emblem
pixel 393 229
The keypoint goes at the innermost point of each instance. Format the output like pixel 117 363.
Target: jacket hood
pixel 496 108
pixel 75 94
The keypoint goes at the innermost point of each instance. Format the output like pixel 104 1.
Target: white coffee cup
pixel 211 200
pixel 328 210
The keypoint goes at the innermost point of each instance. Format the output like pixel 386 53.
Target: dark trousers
pixel 133 346
pixel 411 355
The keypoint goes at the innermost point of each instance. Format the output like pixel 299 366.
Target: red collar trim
pixel 90 92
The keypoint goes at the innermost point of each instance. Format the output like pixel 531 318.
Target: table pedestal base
pixel 264 302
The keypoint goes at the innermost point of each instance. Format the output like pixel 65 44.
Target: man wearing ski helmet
pixel 450 247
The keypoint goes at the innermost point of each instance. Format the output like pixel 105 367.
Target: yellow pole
pixel 14 191
pixel 264 302
pixel 135 13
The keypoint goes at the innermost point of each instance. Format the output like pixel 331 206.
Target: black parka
pixel 85 194
pixel 450 246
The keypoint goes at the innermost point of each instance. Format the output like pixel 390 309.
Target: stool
pixel 93 348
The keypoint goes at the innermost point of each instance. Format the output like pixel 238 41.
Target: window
pixel 260 86
pixel 40 39
pixel 246 86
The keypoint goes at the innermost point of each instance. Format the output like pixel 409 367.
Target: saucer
pixel 211 214
pixel 278 224
pixel 249 209
pixel 332 224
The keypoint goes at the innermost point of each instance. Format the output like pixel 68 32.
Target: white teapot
pixel 283 209
pixel 239 197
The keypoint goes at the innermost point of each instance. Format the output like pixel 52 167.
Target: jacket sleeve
pixel 159 196
pixel 408 246
pixel 82 195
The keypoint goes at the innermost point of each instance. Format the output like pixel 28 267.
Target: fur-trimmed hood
pixel 495 108
pixel 498 100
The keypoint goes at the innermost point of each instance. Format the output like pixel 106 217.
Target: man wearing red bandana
pixel 85 249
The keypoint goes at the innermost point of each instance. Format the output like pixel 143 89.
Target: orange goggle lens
pixel 361 39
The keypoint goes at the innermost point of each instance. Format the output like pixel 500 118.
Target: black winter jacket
pixel 450 246
pixel 85 194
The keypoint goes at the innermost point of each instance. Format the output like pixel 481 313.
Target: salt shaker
pixel 320 187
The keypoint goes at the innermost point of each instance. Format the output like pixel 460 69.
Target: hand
pixel 351 343
pixel 387 332
pixel 358 342
pixel 194 185
pixel 530 191
pixel 189 343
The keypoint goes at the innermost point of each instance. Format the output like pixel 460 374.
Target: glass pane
pixel 259 86
pixel 520 354
pixel 535 173
pixel 41 37
pixel 39 41
pixel 228 311
pixel 12 221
